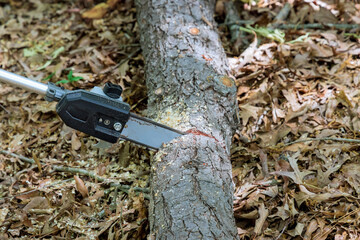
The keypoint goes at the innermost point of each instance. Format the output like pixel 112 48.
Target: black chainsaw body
pixel 95 114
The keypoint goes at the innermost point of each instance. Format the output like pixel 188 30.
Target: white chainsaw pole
pixel 23 82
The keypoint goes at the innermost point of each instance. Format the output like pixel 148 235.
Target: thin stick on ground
pixel 283 14
pixel 338 26
pixel 319 26
pixel 323 139
pixel 25 159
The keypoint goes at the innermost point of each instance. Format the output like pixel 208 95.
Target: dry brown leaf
pixel 263 212
pixel 96 12
pixel 272 137
pixel 75 141
pixel 247 111
pixel 80 186
pixel 311 227
pixel 297 231
pixel 344 99
pixel 140 206
pixel 324 16
pixel 37 161
pixel 3 213
pixel 297 176
pixel 352 175
pixel 37 203
pixel 112 3
pixel 321 51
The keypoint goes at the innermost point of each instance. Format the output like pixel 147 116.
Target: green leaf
pixel 29 52
pixel 45 65
pixel 73 78
pixel 70 79
pixel 48 77
pixel 62 81
pixel 276 34
pixel 300 39
pixel 54 55
pixel 352 35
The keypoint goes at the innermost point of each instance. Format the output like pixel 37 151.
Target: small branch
pixel 323 139
pixel 238 22
pixel 78 171
pixel 124 188
pixel 4 109
pixel 232 16
pixel 318 26
pixel 341 26
pixel 25 159
pixel 283 14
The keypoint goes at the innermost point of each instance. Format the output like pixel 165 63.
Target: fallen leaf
pixel 37 203
pixel 247 111
pixel 80 186
pixel 112 3
pixel 311 227
pixel 297 230
pixel 96 12
pixel 297 176
pixel 259 223
pixel 75 142
pixel 3 214
pixel 352 175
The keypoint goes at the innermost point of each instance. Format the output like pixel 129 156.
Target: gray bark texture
pixel 189 89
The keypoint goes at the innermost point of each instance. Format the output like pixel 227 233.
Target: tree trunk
pixel 189 89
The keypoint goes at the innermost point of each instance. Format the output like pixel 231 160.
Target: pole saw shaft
pixel 23 82
pixel 100 112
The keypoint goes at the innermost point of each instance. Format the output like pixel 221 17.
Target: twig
pixel 127 187
pixel 283 230
pixel 238 22
pixel 232 15
pixel 323 139
pixel 341 26
pixel 25 159
pixel 283 14
pixel 207 22
pixel 318 26
pixel 79 171
pixel 4 109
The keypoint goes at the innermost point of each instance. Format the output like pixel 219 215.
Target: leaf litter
pixel 69 189
pixel 303 86
pixel 298 98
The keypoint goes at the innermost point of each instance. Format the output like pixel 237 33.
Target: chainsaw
pixel 100 112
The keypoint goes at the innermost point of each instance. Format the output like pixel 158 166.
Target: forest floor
pixel 295 154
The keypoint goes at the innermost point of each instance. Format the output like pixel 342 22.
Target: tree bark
pixel 189 89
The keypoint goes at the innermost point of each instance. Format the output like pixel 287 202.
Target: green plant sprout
pixel 54 55
pixel 70 78
pixel 302 38
pixel 352 35
pixel 276 34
